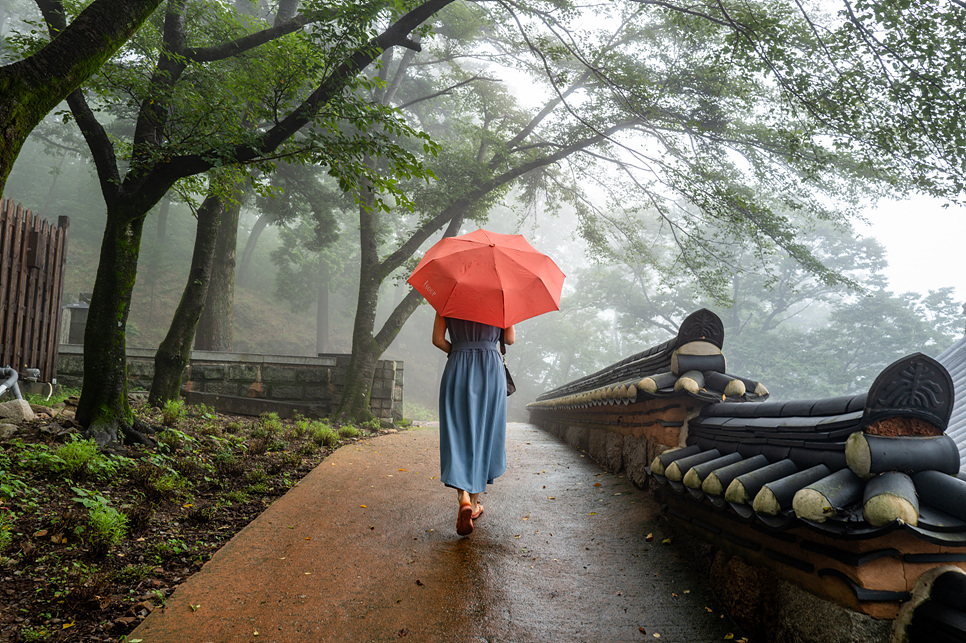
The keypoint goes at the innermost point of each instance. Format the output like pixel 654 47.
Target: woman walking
pixel 480 284
pixel 472 411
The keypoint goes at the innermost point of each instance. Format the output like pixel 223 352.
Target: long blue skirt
pixel 472 409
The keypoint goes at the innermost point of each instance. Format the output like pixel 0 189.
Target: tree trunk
pixel 322 311
pixel 103 406
pixel 175 351
pixel 362 361
pixel 245 265
pixel 214 331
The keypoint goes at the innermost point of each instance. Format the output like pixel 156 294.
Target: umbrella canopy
pixel 496 279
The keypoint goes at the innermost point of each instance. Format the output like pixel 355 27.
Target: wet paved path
pixel 365 549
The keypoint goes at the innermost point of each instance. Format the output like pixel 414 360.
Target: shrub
pixel 271 423
pixel 77 457
pixel 106 529
pixel 323 435
pixel 173 412
pixel 233 427
pixel 301 428
pixel 348 431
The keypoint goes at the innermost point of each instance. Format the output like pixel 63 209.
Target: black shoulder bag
pixel 510 386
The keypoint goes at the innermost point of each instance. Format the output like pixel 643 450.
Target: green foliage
pixel 105 527
pixel 323 435
pixel 173 412
pixel 348 431
pixel 35 634
pixel 81 458
pixel 172 440
pixel 271 423
pixel 6 529
pixel 300 428
pixel 56 396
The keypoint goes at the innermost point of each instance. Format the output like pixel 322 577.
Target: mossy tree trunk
pixel 175 350
pixel 103 406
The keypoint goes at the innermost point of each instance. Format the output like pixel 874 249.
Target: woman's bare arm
pixel 439 334
pixel 509 335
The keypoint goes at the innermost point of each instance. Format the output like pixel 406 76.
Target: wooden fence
pixel 32 258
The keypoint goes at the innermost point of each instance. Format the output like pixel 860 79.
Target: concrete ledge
pixel 254 406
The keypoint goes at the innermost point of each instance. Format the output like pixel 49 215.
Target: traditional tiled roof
pixel 954 359
pixel 850 467
pixel 691 364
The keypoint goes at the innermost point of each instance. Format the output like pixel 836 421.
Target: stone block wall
pixel 312 381
pixel 621 437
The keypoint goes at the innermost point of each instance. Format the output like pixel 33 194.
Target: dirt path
pixel 365 549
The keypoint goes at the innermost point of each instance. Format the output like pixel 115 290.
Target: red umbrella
pixel 496 279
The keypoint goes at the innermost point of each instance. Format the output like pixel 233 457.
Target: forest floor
pixel 90 543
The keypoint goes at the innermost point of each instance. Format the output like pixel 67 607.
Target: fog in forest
pixel 631 276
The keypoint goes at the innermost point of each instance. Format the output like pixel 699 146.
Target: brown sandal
pixel 464 519
pixel 479 511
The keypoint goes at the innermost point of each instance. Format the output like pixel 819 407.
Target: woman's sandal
pixel 479 511
pixel 464 519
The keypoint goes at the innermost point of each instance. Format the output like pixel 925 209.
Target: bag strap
pixel 502 345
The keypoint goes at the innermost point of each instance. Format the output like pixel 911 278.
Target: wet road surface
pixel 365 549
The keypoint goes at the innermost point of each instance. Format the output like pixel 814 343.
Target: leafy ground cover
pixel 91 543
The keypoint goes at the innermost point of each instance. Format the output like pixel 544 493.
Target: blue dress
pixel 472 408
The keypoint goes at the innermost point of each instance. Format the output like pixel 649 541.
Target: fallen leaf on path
pixel 364 507
pixel 419 582
pixel 729 636
pixel 403 632
pixel 649 537
pixel 403 470
pixel 597 484
pixel 666 541
pixel 194 608
pixel 592 513
pixel 643 631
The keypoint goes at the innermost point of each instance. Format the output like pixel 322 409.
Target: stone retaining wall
pixel 306 381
